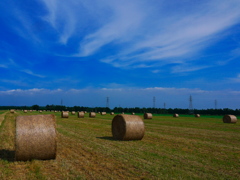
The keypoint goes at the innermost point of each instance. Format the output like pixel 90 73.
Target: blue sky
pixel 129 50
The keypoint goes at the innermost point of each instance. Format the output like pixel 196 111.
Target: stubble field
pixel 172 148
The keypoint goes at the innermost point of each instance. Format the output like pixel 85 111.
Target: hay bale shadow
pixel 107 138
pixel 7 155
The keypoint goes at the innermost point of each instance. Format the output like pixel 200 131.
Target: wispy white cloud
pixel 8 63
pixel 27 71
pixel 140 34
pixel 3 66
pixel 188 68
pixel 62 16
pixel 169 37
pixel 14 82
pixel 147 31
pixel 235 80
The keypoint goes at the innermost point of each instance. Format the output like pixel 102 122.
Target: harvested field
pixel 182 148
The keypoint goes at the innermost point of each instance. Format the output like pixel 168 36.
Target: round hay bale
pixel 127 127
pixel 103 113
pixel 73 112
pixel 197 115
pixel 81 114
pixel 92 114
pixel 175 115
pixel 25 111
pixel 111 113
pixel 229 119
pixel 133 113
pixel 64 114
pixel 11 110
pixel 30 110
pixel 147 115
pixel 40 111
pixel 35 137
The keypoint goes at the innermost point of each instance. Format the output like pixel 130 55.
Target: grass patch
pixel 172 148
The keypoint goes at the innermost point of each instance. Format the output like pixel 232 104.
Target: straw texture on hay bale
pixel 73 112
pixel 103 113
pixel 64 114
pixel 35 137
pixel 175 115
pixel 229 119
pixel 92 114
pixel 147 115
pixel 197 115
pixel 81 114
pixel 12 111
pixel 127 127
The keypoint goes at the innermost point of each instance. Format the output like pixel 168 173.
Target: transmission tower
pixel 107 102
pixel 154 101
pixel 190 105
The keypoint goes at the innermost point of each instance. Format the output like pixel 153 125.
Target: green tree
pixel 35 107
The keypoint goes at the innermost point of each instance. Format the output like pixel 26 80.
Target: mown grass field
pixel 172 148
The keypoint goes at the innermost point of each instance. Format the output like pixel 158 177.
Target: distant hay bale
pixel 111 113
pixel 35 137
pixel 133 113
pixel 229 119
pixel 64 114
pixel 25 111
pixel 81 114
pixel 73 112
pixel 11 110
pixel 40 111
pixel 122 112
pixel 197 115
pixel 147 115
pixel 175 115
pixel 30 110
pixel 92 114
pixel 103 113
pixel 127 127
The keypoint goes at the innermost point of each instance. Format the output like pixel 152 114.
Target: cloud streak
pixel 146 31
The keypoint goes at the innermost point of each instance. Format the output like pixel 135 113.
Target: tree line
pixel 127 110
